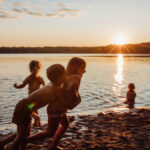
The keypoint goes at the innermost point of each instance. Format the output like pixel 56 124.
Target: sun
pixel 120 40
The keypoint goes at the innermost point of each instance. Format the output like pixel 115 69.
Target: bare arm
pixel 75 102
pixel 25 82
pixel 19 86
pixel 71 97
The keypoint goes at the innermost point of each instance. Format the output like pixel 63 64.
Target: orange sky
pixel 73 22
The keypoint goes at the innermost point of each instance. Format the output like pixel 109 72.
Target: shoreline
pixel 104 131
pixel 119 110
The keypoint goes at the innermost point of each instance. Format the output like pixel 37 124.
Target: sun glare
pixel 120 40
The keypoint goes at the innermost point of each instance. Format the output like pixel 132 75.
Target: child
pixel 130 97
pixel 71 97
pixel 75 70
pixel 39 98
pixel 34 81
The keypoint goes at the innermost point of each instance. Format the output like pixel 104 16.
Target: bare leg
pixel 22 132
pixel 37 120
pixel 60 132
pixel 53 123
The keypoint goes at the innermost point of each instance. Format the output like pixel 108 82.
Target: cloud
pixel 45 10
pixel 5 15
pixel 26 8
pixel 17 10
pixel 27 11
pixel 69 12
pixel 51 15
pixel 61 4
pixel 34 13
pixel 64 11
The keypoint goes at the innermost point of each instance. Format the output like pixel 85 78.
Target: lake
pixel 103 86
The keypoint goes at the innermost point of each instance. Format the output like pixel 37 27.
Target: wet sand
pixel 110 131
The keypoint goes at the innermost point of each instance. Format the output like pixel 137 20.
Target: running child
pixel 34 81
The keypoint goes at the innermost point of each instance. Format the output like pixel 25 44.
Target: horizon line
pixel 73 46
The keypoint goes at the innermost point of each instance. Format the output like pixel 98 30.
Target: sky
pixel 73 22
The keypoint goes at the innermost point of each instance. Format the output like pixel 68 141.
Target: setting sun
pixel 120 40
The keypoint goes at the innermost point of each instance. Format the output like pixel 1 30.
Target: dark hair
pixel 74 64
pixel 131 86
pixel 34 63
pixel 54 72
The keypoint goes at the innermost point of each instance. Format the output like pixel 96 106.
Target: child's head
pixel 35 66
pixel 56 74
pixel 131 86
pixel 76 66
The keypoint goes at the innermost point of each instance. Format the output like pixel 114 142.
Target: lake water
pixel 103 86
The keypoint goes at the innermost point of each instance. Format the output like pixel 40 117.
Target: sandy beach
pixel 108 131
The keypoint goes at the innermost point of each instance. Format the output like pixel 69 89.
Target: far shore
pixel 105 131
pixel 141 48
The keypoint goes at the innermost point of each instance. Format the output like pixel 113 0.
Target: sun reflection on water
pixel 119 75
pixel 118 85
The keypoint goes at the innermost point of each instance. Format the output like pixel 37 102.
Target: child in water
pixel 56 112
pixel 130 97
pixel 34 81
pixel 41 97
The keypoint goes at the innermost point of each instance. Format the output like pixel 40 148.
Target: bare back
pixel 43 96
pixel 33 82
pixel 131 96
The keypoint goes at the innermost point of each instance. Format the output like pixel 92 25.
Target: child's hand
pixel 15 85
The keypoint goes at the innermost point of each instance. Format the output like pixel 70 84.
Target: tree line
pixel 142 48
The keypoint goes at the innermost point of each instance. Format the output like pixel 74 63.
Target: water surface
pixel 103 86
